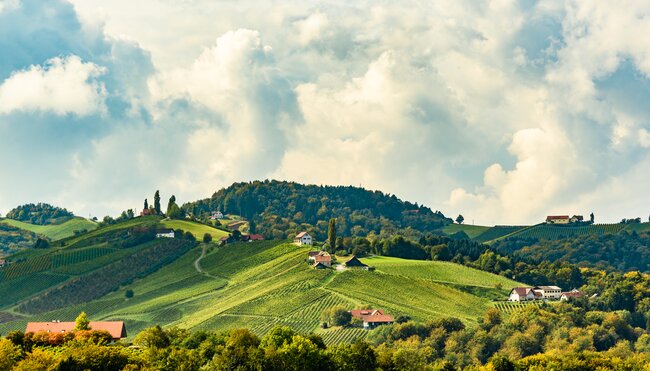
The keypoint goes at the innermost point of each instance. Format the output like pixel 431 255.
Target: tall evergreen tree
pixel 331 234
pixel 146 204
pixel 156 202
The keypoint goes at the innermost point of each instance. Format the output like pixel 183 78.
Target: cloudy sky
pixel 504 111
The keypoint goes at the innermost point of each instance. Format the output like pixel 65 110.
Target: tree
pixel 460 219
pixel 41 244
pixel 10 354
pixel 146 204
pixel 337 316
pixel 128 294
pixel 156 202
pixel 207 238
pixel 82 323
pixel 591 218
pixel 153 337
pixel 331 234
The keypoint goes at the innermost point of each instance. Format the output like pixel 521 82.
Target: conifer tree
pixel 156 202
pixel 82 323
pixel 331 234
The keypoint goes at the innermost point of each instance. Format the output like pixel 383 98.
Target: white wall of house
pixel 165 235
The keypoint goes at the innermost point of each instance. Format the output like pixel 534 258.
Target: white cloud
pixel 61 85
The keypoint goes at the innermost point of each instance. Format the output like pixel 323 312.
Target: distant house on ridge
pixel 117 329
pixel 302 238
pixel 558 219
pixel 216 215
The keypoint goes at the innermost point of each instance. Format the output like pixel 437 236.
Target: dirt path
pixel 197 264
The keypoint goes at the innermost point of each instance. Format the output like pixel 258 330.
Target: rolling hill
pixel 54 231
pixel 254 285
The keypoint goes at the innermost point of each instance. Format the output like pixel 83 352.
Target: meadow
pixel 197 229
pixel 54 231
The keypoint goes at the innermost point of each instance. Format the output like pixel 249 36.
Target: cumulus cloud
pixel 503 111
pixel 62 85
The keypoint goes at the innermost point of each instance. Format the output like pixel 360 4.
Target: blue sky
pixel 504 111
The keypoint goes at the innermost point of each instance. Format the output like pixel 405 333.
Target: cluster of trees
pixel 281 209
pixel 12 238
pixel 622 251
pixel 40 213
pixel 559 336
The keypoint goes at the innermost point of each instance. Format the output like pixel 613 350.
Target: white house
pixel 549 292
pixel 521 294
pixel 217 215
pixel 302 238
pixel 165 233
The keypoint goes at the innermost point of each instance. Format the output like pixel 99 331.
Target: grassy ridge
pixel 54 231
pixel 472 231
pixel 197 229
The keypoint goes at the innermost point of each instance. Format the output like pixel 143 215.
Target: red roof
pixel 301 234
pixel 323 258
pixel 555 217
pixel 256 237
pixel 115 328
pixel 362 313
pixel 573 294
pixel 522 291
pixel 313 253
pixel 381 318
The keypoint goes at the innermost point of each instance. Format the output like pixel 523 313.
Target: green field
pixel 254 285
pixel 54 231
pixel 197 229
pixel 471 230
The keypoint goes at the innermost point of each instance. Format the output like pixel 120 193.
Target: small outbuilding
pixel 354 262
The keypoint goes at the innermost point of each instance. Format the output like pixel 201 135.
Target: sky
pixel 503 111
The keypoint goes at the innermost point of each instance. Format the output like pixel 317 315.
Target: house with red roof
pixel 117 329
pixel 558 219
pixel 372 317
pixel 573 294
pixel 522 294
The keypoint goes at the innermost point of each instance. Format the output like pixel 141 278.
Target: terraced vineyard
pixel 554 232
pixel 255 285
pixel 508 307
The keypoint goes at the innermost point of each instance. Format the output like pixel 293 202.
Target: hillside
pixel 280 209
pixel 253 285
pixel 54 231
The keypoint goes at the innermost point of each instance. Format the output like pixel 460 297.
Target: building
pixel 372 317
pixel 217 215
pixel 558 219
pixel 165 233
pixel 573 294
pixel 323 258
pixel 577 219
pixel 117 329
pixel 302 238
pixel 548 292
pixel 354 262
pixel 521 294
pixel 320 266
pixel 256 237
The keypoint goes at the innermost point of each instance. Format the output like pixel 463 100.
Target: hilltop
pixel 175 282
pixel 281 209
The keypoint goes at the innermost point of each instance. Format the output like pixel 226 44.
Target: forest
pixel 280 209
pixel 40 214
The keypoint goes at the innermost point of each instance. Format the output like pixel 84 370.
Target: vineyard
pixel 508 307
pixel 342 335
pixel 553 232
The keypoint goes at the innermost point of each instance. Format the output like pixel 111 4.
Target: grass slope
pixel 261 284
pixel 54 231
pixel 472 231
pixel 197 229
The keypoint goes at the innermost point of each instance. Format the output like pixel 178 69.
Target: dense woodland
pixel 559 336
pixel 622 251
pixel 40 214
pixel 280 209
pixel 12 238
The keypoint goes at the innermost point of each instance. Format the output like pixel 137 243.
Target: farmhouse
pixel 558 219
pixel 256 237
pixel 323 258
pixel 521 294
pixel 115 328
pixel 372 317
pixel 354 263
pixel 548 292
pixel 573 294
pixel 165 233
pixel 216 215
pixel 577 219
pixel 302 238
